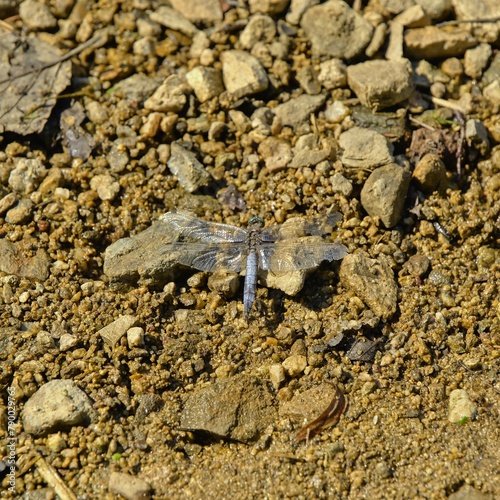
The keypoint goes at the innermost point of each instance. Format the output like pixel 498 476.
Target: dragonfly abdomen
pixel 250 282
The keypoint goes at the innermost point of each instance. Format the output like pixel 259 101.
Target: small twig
pixel 456 22
pixel 54 480
pixel 476 375
pixel 6 26
pixel 444 103
pixel 447 104
pixel 421 124
pixel 460 118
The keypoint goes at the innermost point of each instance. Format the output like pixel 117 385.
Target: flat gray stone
pixel 308 153
pixel 372 281
pixel 199 11
pixel 476 60
pixel 118 158
pixel 144 257
pixel 129 487
pixel 290 283
pixel 384 193
pixel 336 30
pixel 276 153
pixel 260 28
pixel 21 213
pixel 189 171
pixel 169 96
pixel 206 82
pixel 224 284
pixel 297 9
pixel 341 184
pixel 271 7
pixel 137 87
pixel 479 9
pixel 380 84
pixel 365 149
pixel 243 74
pixel 113 332
pixel 297 110
pixel 171 18
pixel 412 17
pixel 237 408
pixel 432 42
pixel 436 9
pixel 476 136
pixel 57 405
pixel 36 16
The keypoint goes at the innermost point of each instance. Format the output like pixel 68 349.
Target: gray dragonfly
pixel 294 245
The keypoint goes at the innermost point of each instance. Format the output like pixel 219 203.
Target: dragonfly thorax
pixel 255 223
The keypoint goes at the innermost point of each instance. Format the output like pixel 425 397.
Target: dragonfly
pixel 210 246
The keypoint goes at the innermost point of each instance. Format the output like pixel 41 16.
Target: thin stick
pixel 54 480
pixel 460 118
pixel 421 124
pixel 447 104
pixel 456 22
pixel 476 375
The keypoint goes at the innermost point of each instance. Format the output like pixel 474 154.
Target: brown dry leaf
pixel 442 142
pixel 29 85
pixel 328 418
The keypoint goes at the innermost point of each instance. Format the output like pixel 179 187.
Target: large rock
pixel 380 84
pixel 336 30
pixel 243 74
pixel 238 408
pixel 372 281
pixel 384 193
pixel 57 405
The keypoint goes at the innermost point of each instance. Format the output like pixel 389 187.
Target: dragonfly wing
pixel 228 257
pixel 307 253
pixel 298 227
pixel 186 227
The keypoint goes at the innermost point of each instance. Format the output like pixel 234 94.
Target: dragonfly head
pixel 256 223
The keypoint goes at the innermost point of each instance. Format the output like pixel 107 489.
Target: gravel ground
pixel 124 374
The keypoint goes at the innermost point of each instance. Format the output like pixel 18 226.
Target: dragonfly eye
pixel 256 221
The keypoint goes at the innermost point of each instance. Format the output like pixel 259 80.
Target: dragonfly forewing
pixel 189 228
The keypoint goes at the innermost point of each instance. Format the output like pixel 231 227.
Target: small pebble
pixel 461 408
pixel 295 365
pixel 135 337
